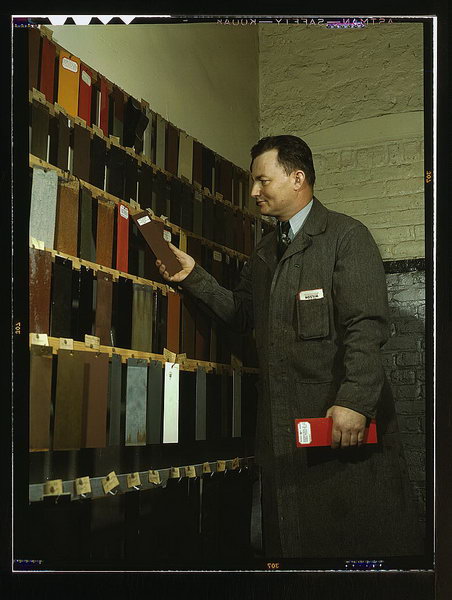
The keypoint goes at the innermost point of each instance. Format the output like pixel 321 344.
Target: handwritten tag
pixel 66 344
pixel 91 341
pixel 206 468
pixel 217 256
pixel 39 339
pixel 236 463
pixel 190 471
pixel 110 482
pixel 167 235
pixel 53 488
pixel 82 485
pixel 133 480
pixel 154 477
pixel 221 466
pixel 123 211
pixel 175 472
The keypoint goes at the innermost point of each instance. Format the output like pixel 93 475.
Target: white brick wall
pixel 356 97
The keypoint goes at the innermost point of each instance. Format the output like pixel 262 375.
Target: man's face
pixel 274 190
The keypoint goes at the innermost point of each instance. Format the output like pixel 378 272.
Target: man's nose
pixel 255 190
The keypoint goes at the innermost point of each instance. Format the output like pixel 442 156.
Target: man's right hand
pixel 187 264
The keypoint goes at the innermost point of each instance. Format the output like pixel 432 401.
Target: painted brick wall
pixel 356 97
pixel 382 186
pixel 404 362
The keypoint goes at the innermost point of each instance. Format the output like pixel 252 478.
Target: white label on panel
pixel 144 220
pixel 123 210
pixel 86 78
pixel 70 65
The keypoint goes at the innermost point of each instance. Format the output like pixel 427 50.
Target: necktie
pixel 283 237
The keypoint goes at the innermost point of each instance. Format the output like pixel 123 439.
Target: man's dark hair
pixel 293 154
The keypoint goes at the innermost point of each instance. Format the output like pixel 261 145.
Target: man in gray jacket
pixel 314 290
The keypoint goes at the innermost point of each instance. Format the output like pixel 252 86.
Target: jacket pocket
pixel 313 318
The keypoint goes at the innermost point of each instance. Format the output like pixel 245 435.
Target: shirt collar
pixel 297 221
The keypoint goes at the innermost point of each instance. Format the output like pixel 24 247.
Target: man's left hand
pixel 348 427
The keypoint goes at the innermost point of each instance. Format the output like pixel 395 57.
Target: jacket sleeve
pixel 234 307
pixel 361 309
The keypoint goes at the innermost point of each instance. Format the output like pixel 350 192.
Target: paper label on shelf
pixel 206 468
pixel 154 477
pixel 110 482
pixel 91 341
pixel 217 256
pixel 82 485
pixel 66 344
pixel 123 211
pixel 38 244
pixel 167 235
pixel 133 480
pixel 175 472
pixel 190 471
pixel 70 65
pixel 236 463
pixel 53 488
pixel 227 259
pixel 304 432
pixel 169 356
pixel 221 466
pixel 144 220
pixel 39 339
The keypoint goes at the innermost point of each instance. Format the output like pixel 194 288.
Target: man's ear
pixel 299 179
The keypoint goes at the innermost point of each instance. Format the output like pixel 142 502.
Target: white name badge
pixel 304 432
pixel 310 294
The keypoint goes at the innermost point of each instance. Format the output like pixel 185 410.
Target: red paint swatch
pixel 85 91
pixel 47 79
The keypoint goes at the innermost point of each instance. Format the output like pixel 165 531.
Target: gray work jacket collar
pixel 315 224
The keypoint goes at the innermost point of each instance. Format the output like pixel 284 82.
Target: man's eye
pixel 264 181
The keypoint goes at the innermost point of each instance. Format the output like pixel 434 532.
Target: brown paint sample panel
pixel 103 307
pixel 104 239
pixel 66 230
pixel 152 231
pixel 67 433
pixel 96 400
pixel 40 397
pixel 40 273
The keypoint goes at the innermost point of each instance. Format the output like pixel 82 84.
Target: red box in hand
pixel 317 432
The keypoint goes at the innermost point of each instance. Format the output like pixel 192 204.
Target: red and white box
pixel 317 432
